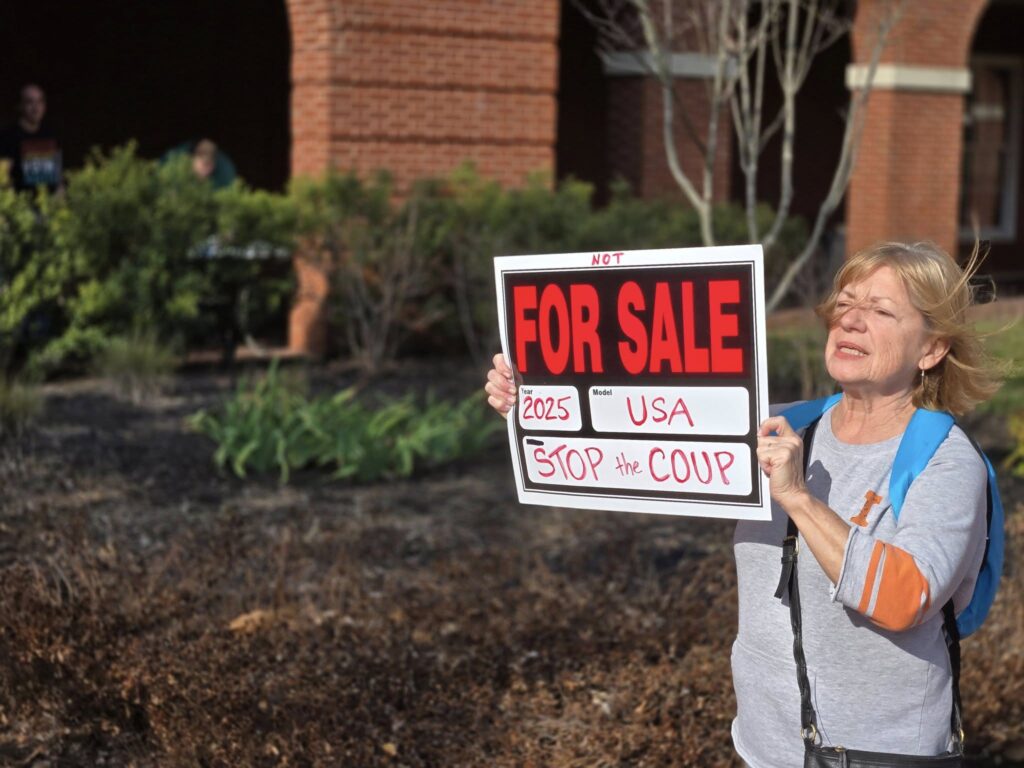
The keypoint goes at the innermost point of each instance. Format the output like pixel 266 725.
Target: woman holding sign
pixel 893 557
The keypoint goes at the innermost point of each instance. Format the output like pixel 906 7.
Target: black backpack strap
pixel 788 583
pixel 789 548
pixel 951 633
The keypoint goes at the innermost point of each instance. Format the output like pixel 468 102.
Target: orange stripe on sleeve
pixel 903 594
pixel 869 580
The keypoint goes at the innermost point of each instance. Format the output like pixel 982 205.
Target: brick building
pixel 294 86
pixel 419 86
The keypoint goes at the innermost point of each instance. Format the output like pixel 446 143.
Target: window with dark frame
pixel 991 149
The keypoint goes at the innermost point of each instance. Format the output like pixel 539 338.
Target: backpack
pixel 925 433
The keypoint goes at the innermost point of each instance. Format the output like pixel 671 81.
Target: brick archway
pixel 156 73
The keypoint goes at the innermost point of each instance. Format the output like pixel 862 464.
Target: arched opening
pixel 581 147
pixel 160 73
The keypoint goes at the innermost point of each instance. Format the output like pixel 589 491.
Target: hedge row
pixel 126 251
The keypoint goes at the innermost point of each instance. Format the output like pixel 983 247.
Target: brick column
pixel 906 182
pixel 419 87
pixel 312 25
pixel 312 29
pixel 416 88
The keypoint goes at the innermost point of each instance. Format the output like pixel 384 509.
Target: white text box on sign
pixel 549 407
pixel 642 465
pixel 670 410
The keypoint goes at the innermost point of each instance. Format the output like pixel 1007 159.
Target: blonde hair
pixel 940 290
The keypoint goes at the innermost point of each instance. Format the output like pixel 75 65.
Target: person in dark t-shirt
pixel 30 154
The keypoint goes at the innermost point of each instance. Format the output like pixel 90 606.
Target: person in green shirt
pixel 208 161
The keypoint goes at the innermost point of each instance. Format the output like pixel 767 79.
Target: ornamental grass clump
pixel 272 425
pixel 20 406
pixel 1015 460
pixel 137 366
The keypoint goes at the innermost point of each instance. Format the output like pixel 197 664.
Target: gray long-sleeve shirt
pixel 877 662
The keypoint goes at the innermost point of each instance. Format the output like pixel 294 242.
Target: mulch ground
pixel 157 613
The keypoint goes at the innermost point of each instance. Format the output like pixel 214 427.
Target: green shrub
pixel 1005 343
pixel 132 224
pixel 796 364
pixel 137 246
pixel 250 291
pixel 115 257
pixel 122 252
pixel 1015 460
pixel 631 223
pixel 30 270
pixel 485 220
pixel 20 405
pixel 272 424
pixel 381 255
pixel 138 365
pixel 75 348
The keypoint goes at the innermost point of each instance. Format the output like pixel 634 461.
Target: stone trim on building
pixel 910 77
pixel 701 66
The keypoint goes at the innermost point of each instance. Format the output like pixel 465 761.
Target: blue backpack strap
pixel 924 435
pixel 802 414
pixel 973 616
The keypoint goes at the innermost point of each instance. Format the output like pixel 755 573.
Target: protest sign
pixel 642 379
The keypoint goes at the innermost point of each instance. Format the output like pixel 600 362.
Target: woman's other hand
pixel 500 386
pixel 781 456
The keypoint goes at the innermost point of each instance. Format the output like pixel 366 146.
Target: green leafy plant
pixel 131 224
pixel 30 269
pixel 250 281
pixel 121 252
pixel 271 424
pixel 136 246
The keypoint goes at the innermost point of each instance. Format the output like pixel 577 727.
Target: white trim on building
pixel 632 63
pixel 910 77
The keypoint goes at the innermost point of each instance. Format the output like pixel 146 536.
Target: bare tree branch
pixel 739 36
pixel 663 72
pixel 847 158
pixel 714 111
pixel 787 78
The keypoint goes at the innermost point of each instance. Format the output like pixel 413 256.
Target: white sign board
pixel 642 379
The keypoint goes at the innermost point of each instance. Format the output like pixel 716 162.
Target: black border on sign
pixel 753 499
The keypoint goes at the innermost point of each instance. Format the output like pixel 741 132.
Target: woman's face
pixel 879 342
